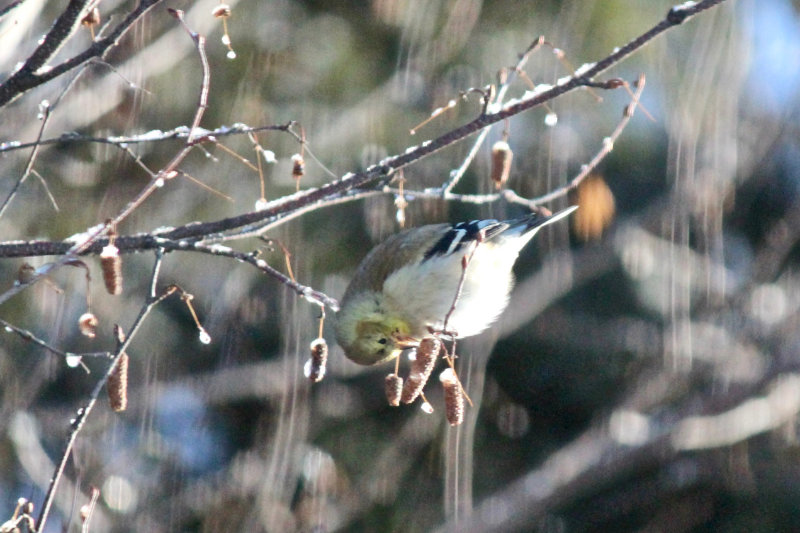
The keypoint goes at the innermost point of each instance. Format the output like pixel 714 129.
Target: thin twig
pixel 208 188
pixel 27 335
pixel 112 68
pixel 200 44
pixel 512 197
pixel 287 255
pixel 87 519
pixel 29 163
pixel 460 288
pixel 457 174
pixel 178 133
pixel 169 171
pixel 310 294
pixel 46 188
pixel 47 110
pixel 607 146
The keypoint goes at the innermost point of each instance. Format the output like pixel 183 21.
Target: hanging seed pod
pixel 501 163
pixel 315 367
pixel 394 387
pixel 222 11
pixel 84 512
pixel 421 368
pixel 92 18
pixel 117 385
pixel 87 324
pixel 453 398
pixel 298 166
pixel 111 263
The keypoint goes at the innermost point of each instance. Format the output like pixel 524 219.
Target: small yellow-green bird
pixel 406 285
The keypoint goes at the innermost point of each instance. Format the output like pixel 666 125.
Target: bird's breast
pixel 424 293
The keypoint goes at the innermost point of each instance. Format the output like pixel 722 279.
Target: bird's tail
pixel 536 221
pixel 528 226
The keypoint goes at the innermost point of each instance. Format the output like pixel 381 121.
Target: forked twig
pixel 29 336
pixel 607 146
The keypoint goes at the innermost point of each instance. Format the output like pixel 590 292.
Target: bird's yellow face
pixel 368 331
pixel 381 341
pixel 377 339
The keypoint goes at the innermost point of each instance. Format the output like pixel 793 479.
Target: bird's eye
pixel 382 341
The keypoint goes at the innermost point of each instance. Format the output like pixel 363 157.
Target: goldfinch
pixel 405 287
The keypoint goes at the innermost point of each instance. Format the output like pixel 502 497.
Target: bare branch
pixel 180 132
pixel 29 163
pixel 29 76
pixel 7 9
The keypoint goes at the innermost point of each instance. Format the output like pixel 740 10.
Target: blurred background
pixel 644 378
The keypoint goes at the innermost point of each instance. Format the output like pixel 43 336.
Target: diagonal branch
pixel 28 76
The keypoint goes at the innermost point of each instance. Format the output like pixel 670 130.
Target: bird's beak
pixel 404 342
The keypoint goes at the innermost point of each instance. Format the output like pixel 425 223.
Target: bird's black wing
pixel 463 234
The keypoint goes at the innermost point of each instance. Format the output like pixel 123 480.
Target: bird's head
pixel 368 334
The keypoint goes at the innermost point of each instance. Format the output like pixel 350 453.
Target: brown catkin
pixel 394 387
pixel 111 263
pixel 117 385
pixel 421 368
pixel 453 397
pixel 501 163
